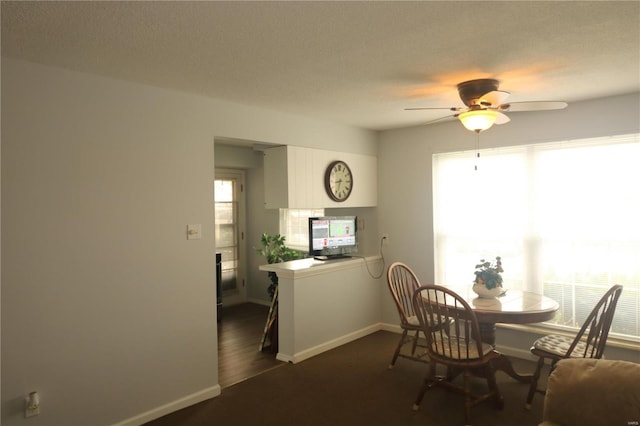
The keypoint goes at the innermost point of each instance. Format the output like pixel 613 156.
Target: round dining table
pixel 512 307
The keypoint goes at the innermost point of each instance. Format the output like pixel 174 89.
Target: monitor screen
pixel 332 236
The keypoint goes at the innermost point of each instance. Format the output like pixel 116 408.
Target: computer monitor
pixel 332 237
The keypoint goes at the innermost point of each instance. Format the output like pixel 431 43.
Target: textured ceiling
pixel 358 63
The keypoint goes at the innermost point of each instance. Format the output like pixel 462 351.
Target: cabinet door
pixel 300 165
pixel 276 186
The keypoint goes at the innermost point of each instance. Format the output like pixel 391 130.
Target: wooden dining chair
pixel 453 340
pixel 588 343
pixel 403 282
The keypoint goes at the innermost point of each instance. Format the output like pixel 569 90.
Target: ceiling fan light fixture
pixel 478 120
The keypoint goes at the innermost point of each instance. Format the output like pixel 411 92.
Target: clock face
pixel 338 181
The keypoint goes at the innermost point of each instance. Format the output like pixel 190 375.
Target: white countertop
pixel 310 266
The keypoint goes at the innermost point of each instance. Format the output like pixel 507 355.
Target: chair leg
pixel 533 388
pixel 415 342
pixel 397 352
pixel 426 384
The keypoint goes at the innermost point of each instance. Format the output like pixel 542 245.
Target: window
pixel 294 225
pixel 229 235
pixel 563 216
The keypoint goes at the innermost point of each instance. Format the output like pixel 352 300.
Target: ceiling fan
pixel 485 105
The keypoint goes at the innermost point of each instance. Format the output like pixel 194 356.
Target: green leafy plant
pixel 275 250
pixel 488 274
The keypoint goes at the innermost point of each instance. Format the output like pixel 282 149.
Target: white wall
pixel 107 310
pixel 404 161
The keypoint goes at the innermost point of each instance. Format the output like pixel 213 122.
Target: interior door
pixel 229 233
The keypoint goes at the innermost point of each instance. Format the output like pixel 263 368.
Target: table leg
pixel 488 333
pixel 502 363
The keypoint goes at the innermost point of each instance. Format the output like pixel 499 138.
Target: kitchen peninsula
pixel 325 304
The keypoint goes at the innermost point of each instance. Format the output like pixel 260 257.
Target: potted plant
pixel 275 250
pixel 488 281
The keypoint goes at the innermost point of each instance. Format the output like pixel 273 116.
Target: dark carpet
pixel 351 385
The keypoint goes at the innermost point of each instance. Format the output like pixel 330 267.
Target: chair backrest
pixel 592 337
pixel 449 323
pixel 402 282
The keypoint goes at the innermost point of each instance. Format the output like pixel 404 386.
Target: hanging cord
pixel 477 149
pixel 367 263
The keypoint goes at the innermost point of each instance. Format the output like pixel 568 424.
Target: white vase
pixel 485 292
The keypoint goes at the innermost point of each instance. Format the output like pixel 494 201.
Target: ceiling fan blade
pixel 494 97
pixel 440 119
pixel 450 109
pixel 502 118
pixel 532 106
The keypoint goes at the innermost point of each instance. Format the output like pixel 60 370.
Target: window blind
pixel 294 225
pixel 564 217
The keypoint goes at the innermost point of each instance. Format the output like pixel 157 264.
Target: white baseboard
pixel 394 328
pixel 170 407
pixel 331 344
pixel 284 358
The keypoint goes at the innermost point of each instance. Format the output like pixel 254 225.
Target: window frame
pixel 294 224
pixel 533 279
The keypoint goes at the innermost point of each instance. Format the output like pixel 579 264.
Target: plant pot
pixel 487 293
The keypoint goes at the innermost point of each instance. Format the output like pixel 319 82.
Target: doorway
pixel 242 323
pixel 229 213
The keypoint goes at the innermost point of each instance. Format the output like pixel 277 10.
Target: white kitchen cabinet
pixel 294 178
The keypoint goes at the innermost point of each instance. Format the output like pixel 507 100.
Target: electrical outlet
pixel 385 238
pixel 32 411
pixel 194 232
pixel 32 405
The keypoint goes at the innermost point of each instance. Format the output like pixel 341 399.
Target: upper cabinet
pixel 294 177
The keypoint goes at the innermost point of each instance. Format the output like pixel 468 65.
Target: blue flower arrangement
pixel 488 274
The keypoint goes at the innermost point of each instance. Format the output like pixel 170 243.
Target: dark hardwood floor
pixel 239 337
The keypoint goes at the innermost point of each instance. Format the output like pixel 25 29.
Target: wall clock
pixel 338 181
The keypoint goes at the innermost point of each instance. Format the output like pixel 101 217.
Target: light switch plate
pixel 194 232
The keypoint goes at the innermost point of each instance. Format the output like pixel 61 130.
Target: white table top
pixel 514 307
